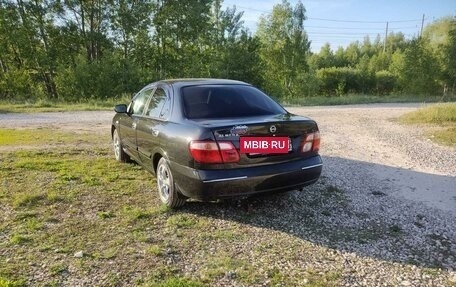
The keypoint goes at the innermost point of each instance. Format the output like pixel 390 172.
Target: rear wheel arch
pixel 156 158
pixel 113 128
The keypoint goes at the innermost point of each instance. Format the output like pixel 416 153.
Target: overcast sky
pixel 340 22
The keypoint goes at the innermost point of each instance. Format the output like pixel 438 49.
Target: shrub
pixel 385 82
pixel 340 81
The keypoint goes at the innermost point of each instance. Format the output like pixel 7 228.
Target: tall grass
pixel 437 114
pixel 46 105
pixel 352 99
pixel 441 115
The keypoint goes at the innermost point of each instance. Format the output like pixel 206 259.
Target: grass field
pixel 15 106
pixel 353 99
pixel 440 120
pixel 73 215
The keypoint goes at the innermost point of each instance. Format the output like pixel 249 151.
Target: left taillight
pixel 213 152
pixel 311 142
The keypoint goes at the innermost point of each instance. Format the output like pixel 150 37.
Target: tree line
pixel 78 49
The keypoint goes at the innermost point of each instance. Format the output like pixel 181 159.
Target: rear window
pixel 227 101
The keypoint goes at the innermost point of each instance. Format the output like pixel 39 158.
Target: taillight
pixel 311 142
pixel 316 141
pixel 229 152
pixel 210 152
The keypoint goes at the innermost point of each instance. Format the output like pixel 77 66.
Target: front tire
pixel 166 188
pixel 118 149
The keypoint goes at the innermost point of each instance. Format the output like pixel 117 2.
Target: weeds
pixel 181 221
pixel 442 115
pixel 10 283
pixel 435 114
pixel 10 137
pixel 19 239
pixel 352 99
pixel 60 106
pixel 155 250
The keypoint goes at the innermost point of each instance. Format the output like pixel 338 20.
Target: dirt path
pixel 98 121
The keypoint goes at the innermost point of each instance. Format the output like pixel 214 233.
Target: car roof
pixel 199 81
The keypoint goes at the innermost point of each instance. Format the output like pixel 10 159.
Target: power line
pixel 358 28
pixel 340 20
pixel 254 9
pixel 338 33
pixel 325 32
pixel 358 21
pixel 372 37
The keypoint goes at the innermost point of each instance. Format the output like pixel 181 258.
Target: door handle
pixel 155 132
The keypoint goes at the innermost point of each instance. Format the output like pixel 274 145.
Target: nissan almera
pixel 209 139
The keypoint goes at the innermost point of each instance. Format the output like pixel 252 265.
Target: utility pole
pixel 422 24
pixel 386 37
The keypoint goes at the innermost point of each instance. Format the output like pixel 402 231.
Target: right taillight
pixel 228 152
pixel 211 152
pixel 316 141
pixel 311 142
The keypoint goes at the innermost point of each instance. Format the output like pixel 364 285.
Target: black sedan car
pixel 210 139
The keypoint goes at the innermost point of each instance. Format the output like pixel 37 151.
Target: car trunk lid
pixel 294 127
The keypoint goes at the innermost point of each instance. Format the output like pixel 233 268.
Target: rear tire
pixel 166 188
pixel 118 148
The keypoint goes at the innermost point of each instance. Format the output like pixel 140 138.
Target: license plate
pixel 265 145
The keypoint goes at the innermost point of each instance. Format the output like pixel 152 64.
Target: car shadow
pixel 373 212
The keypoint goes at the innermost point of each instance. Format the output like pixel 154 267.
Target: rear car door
pixel 150 128
pixel 129 125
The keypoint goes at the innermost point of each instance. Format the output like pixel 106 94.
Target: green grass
pixel 182 221
pixel 33 106
pixel 155 250
pixel 434 114
pixel 19 239
pixel 58 268
pixel 105 214
pixel 446 136
pixel 442 115
pixel 14 137
pixel 353 99
pixel 223 264
pixel 11 283
pixel 329 279
pixel 180 282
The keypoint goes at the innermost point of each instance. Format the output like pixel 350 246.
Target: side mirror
pixel 120 109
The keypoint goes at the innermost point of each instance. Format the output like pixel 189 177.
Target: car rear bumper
pixel 213 184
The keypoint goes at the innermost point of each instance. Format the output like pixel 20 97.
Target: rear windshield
pixel 227 101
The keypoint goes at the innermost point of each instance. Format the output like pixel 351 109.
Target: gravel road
pixel 98 121
pixel 397 193
pixel 401 159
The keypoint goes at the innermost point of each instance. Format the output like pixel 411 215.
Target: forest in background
pixel 69 50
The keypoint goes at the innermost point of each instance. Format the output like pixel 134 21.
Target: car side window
pixel 159 105
pixel 139 102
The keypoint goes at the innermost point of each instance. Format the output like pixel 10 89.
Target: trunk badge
pixel 272 129
pixel 239 130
